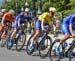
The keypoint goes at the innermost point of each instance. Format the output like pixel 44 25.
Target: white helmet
pixel 3 10
pixel 1 13
pixel 27 10
pixel 52 9
pixel 11 11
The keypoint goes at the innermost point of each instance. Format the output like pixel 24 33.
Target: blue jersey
pixel 69 20
pixel 22 17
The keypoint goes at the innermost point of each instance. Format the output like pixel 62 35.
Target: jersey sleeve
pixel 20 15
pixel 71 20
pixel 44 16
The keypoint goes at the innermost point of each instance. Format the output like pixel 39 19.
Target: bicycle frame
pixel 20 30
pixel 71 47
pixel 43 37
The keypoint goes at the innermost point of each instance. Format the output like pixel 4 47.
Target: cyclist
pixel 43 20
pixel 20 18
pixel 68 28
pixel 7 18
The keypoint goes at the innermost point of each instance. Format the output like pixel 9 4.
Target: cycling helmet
pixel 3 10
pixel 11 11
pixel 27 10
pixel 52 9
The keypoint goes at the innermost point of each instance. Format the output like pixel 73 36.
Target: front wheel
pixel 4 39
pixel 8 39
pixel 44 46
pixel 52 51
pixel 20 41
pixel 28 44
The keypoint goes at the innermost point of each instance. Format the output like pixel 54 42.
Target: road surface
pixel 13 55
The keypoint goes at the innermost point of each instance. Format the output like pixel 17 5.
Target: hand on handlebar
pixel 73 35
pixel 44 30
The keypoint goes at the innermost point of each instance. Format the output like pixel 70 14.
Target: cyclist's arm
pixel 19 22
pixel 54 24
pixel 54 27
pixel 71 30
pixel 42 24
pixel 13 19
pixel 28 24
pixel 3 19
pixel 71 26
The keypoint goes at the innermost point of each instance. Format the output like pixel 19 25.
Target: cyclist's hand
pixel 44 30
pixel 73 35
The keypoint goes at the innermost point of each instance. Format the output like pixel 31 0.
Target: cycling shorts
pixel 65 29
pixel 16 23
pixel 38 25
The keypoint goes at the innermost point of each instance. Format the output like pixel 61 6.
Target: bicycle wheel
pixel 52 54
pixel 71 48
pixel 44 46
pixel 71 51
pixel 20 41
pixel 28 44
pixel 8 40
pixel 4 39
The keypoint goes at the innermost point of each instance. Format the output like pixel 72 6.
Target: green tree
pixel 67 7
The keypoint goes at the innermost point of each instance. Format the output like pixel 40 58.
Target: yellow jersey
pixel 46 17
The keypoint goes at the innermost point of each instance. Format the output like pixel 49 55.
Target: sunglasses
pixel 52 12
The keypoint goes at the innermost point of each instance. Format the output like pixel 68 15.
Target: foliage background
pixel 67 7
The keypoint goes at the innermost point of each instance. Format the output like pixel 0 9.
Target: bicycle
pixel 40 44
pixel 20 38
pixel 6 33
pixel 63 50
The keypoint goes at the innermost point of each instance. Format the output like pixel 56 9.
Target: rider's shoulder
pixel 6 14
pixel 21 13
pixel 72 15
pixel 45 13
